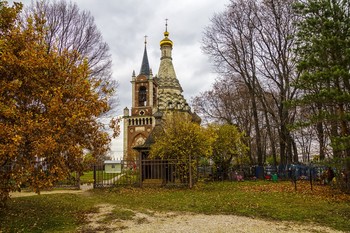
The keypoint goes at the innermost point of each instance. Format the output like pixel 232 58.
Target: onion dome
pixel 166 40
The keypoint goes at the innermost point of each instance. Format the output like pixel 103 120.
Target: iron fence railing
pixel 128 173
pixel 167 172
pixel 36 170
pixel 145 173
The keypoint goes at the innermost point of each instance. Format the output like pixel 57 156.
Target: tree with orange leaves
pixel 49 107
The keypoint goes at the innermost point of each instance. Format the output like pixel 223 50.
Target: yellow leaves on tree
pixel 229 142
pixel 48 107
pixel 184 141
pixel 114 124
pixel 182 138
pixel 229 145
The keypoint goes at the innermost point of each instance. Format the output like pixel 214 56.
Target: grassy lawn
pixel 266 200
pixel 88 177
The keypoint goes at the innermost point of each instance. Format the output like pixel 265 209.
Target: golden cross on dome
pixel 166 25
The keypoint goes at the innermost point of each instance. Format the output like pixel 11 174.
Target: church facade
pixel 152 97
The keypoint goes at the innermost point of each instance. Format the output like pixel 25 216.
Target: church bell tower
pixel 140 121
pixel 153 97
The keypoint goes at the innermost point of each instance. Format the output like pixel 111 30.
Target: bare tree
pixel 275 43
pixel 220 103
pixel 254 39
pixel 230 41
pixel 227 103
pixel 69 28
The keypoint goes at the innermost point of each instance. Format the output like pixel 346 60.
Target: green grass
pixel 88 177
pixel 266 200
pixel 45 213
pixel 119 214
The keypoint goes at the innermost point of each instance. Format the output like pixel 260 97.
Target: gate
pixel 166 172
pixel 128 174
pixel 147 172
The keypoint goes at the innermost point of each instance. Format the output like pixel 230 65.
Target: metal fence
pixel 167 173
pixel 36 170
pixel 318 174
pixel 145 173
pixel 128 174
pixel 283 172
pixel 71 182
pixel 180 173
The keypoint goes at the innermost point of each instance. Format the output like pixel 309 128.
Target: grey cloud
pixel 123 24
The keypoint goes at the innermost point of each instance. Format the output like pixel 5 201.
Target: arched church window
pixel 142 96
pixel 178 105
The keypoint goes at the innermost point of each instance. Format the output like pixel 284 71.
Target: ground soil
pixel 152 222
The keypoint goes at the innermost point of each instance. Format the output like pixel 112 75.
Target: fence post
pixel 78 179
pixel 140 171
pixel 310 176
pixel 94 176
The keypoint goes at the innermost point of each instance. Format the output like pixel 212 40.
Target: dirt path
pixel 152 222
pixel 82 189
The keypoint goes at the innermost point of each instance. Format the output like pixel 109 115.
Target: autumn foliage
pixel 182 138
pixel 48 107
pixel 229 147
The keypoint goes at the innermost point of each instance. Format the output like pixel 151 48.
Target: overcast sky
pixel 123 25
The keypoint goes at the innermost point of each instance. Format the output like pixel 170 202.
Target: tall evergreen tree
pixel 323 49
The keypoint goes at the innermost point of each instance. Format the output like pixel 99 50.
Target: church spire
pixel 145 70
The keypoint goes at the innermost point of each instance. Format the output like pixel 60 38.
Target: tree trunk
pixel 294 149
pixel 270 135
pixel 320 136
pixel 334 134
pixel 259 153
